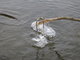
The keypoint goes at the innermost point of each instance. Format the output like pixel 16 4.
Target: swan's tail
pixel 58 18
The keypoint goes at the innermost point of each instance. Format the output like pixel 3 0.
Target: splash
pixel 46 31
pixel 40 41
pixel 43 31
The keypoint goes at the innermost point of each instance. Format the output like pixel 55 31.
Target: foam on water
pixel 40 41
pixel 45 31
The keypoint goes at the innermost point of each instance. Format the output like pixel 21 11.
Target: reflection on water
pixel 2 57
pixel 37 55
pixel 59 56
pixel 52 52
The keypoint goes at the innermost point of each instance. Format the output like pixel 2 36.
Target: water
pixel 16 35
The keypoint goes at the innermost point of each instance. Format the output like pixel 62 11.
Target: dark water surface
pixel 16 35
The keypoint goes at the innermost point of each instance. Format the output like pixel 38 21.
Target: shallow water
pixel 16 35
